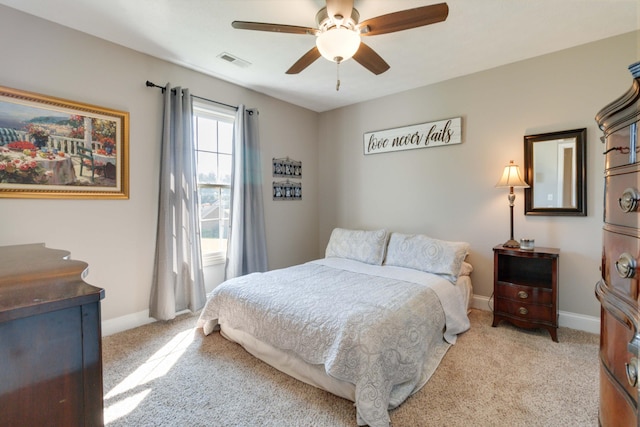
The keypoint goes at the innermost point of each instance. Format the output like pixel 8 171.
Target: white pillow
pixel 424 253
pixel 466 269
pixel 364 246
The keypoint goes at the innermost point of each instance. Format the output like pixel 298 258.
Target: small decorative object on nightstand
pixel 525 287
pixel 527 244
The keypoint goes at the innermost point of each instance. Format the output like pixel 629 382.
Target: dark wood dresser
pixel 525 287
pixel 618 288
pixel 50 340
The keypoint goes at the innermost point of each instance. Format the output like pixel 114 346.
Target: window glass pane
pixel 224 168
pixel 211 241
pixel 213 229
pixel 209 200
pixel 207 168
pixel 225 135
pixel 226 201
pixel 207 135
pixel 226 208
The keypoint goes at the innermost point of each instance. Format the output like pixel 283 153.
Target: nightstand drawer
pixel 524 311
pixel 525 294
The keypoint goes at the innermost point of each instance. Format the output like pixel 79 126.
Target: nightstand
pixel 525 287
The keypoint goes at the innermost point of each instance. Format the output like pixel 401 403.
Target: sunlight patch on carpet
pixel 153 368
pixel 123 407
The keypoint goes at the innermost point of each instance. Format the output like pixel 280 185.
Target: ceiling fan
pixel 338 32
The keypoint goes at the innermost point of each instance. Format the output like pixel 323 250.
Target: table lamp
pixel 511 178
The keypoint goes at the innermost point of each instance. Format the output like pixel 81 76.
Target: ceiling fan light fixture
pixel 338 44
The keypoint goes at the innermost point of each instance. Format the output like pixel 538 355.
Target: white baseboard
pixel 481 303
pixel 129 321
pixel 566 319
pixel 581 322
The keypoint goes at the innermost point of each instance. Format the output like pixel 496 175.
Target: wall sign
pixel 433 134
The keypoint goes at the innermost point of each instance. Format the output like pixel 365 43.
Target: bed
pixel 370 322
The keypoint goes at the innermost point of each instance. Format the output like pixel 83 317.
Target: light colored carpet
pixel 168 374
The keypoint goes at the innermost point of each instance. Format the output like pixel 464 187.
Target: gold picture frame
pixel 60 149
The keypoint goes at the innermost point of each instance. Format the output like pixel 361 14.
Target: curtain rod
pixel 151 84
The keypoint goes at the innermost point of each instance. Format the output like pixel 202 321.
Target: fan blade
pixel 341 8
pixel 306 60
pixel 370 60
pixel 276 28
pixel 405 19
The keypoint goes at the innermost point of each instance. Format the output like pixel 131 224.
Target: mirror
pixel 555 169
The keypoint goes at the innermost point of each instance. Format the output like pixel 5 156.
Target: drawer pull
pixel 632 371
pixel 523 295
pixel 626 266
pixel 629 200
pixel 523 311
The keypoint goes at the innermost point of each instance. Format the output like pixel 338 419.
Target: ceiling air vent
pixel 234 60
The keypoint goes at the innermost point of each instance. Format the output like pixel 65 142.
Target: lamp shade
pixel 338 44
pixel 511 177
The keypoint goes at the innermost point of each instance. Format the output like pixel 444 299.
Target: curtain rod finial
pixel 151 84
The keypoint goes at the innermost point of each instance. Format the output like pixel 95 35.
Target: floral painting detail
pixel 23 170
pixel 38 134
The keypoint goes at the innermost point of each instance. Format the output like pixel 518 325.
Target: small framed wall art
pixel 287 190
pixel 287 168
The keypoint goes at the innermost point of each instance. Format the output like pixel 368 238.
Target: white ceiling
pixel 477 35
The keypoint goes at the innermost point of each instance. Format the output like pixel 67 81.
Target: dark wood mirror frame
pixel 578 206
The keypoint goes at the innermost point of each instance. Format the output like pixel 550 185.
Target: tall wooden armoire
pixel 618 290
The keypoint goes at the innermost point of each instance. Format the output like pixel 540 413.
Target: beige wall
pixel 117 237
pixel 448 192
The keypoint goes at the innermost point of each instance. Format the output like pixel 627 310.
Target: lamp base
pixel 511 244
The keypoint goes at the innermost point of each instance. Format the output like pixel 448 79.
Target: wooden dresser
pixel 618 290
pixel 525 288
pixel 50 340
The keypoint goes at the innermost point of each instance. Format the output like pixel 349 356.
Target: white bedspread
pixel 378 327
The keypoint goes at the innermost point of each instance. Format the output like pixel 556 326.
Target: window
pixel 213 134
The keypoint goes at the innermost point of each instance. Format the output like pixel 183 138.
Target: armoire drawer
pixel 617 149
pixel 614 352
pixel 622 198
pixel 620 258
pixel 615 409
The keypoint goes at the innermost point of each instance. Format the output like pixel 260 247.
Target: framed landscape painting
pixel 54 148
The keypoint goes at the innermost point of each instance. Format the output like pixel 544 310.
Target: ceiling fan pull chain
pixel 337 76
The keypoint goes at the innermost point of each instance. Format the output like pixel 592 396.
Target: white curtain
pixel 178 281
pixel 246 247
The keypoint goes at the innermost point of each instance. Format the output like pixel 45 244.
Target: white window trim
pixel 214 258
